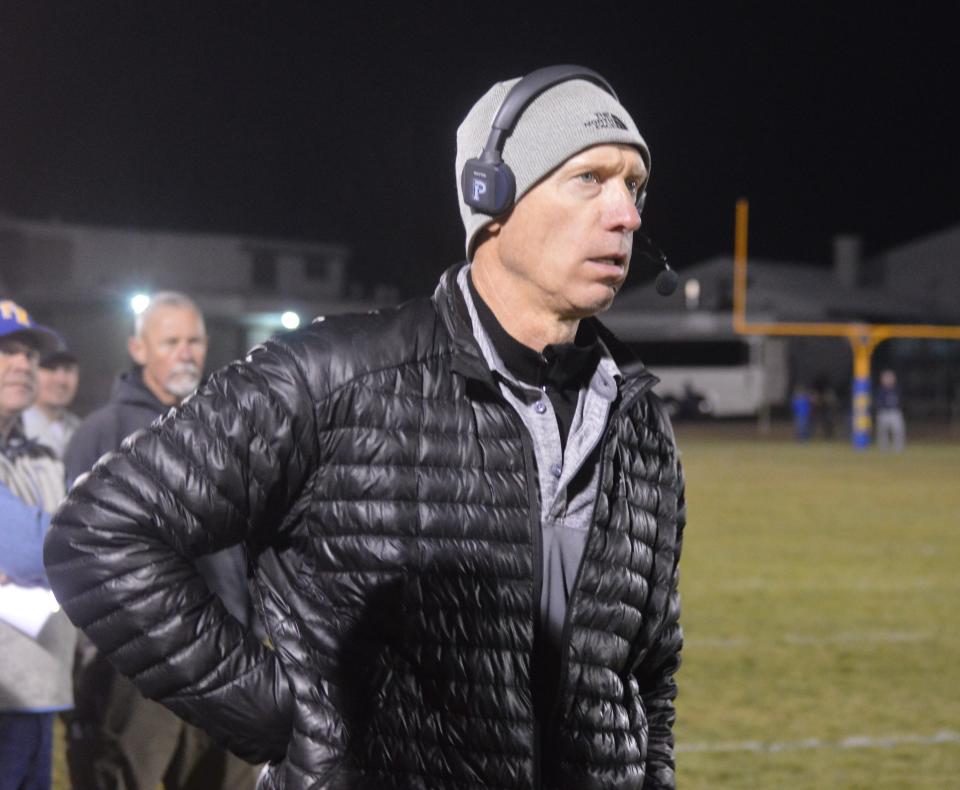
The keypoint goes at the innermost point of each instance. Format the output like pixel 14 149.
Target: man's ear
pixel 137 349
pixel 487 232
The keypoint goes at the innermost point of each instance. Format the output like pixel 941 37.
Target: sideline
pixel 754 584
pixel 839 638
pixel 853 742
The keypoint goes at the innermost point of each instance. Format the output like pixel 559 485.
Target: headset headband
pixel 525 91
pixel 487 183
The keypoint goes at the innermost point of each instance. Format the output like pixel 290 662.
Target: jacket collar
pixel 15 443
pixel 636 378
pixel 468 360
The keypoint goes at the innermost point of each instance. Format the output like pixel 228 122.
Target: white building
pixel 688 338
pixel 79 279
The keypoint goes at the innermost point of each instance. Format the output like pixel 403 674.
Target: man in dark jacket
pixel 118 739
pixel 464 514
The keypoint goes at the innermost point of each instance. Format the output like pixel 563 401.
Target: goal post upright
pixel 863 338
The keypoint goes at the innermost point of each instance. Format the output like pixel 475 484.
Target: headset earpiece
pixel 488 187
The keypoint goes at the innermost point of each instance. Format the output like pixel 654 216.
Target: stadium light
pixel 139 302
pixel 290 320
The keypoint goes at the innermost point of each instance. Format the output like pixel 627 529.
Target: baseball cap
pixel 16 323
pixel 58 358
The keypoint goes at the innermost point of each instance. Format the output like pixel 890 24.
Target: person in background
pixel 168 349
pixel 891 428
pixel 118 739
pixel 802 407
pixel 49 421
pixel 36 638
pixel 825 405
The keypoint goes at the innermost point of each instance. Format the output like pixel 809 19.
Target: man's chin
pixel 182 388
pixel 598 300
pixel 14 406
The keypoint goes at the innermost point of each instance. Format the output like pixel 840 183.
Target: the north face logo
pixel 605 120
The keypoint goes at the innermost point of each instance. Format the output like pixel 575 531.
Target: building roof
pixel 917 282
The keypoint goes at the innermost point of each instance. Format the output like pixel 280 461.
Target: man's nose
pixel 622 212
pixel 22 359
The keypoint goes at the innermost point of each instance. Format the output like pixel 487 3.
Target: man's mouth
pixel 610 260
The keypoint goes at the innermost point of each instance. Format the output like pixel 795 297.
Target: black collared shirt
pixel 560 371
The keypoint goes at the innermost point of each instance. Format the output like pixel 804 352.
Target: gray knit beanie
pixel 560 122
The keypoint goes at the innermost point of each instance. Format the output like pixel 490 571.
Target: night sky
pixel 337 124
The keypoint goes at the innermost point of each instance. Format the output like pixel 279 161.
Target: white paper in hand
pixel 26 608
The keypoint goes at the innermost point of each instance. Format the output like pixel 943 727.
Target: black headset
pixel 486 182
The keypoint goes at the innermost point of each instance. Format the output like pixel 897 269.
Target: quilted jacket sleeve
pixel 656 673
pixel 225 468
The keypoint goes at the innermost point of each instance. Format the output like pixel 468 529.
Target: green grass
pixel 820 601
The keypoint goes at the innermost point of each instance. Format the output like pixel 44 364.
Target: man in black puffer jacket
pixel 465 513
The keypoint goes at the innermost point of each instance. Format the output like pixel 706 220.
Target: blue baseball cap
pixel 16 323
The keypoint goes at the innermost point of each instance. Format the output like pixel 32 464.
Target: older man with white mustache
pixel 118 738
pixel 169 348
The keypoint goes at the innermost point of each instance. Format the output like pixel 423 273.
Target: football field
pixel 821 610
pixel 821 607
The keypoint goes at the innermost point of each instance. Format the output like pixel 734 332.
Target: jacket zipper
pixel 567 625
pixel 533 503
pixel 565 633
pixel 530 468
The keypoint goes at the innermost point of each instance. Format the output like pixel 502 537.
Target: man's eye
pixel 589 178
pixel 633 184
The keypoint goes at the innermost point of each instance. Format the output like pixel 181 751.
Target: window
pixel 265 270
pixel 315 267
pixel 692 353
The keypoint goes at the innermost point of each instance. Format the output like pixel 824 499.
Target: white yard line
pixel 853 742
pixel 840 638
pixel 857 637
pixel 761 584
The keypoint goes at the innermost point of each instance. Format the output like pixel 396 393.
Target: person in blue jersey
pixel 36 639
